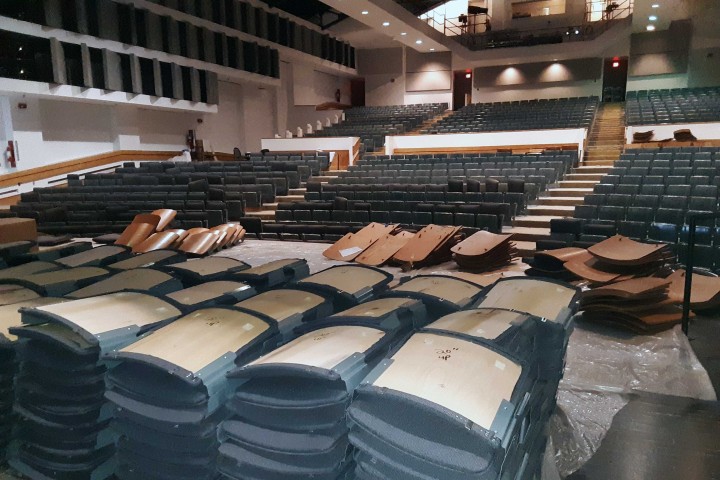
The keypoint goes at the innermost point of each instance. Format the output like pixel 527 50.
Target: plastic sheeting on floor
pixel 603 367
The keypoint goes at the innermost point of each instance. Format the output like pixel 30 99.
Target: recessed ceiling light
pixel 432 49
pixel 419 42
pixel 364 12
pixel 403 34
pixel 386 24
pixel 650 28
pixel 655 5
pixel 652 18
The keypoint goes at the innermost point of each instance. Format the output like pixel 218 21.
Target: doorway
pixel 462 88
pixel 357 92
pixel 615 72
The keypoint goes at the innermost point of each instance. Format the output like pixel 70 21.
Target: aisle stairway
pixel 605 144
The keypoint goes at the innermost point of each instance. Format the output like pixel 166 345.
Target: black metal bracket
pixel 690 263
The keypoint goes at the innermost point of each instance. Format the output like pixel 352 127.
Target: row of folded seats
pixel 455 161
pixel 483 216
pixel 280 180
pixel 542 176
pixel 578 232
pixel 390 200
pixel 560 113
pixel 687 105
pixel 372 124
pixel 73 220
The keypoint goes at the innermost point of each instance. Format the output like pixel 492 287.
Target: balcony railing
pixel 476 33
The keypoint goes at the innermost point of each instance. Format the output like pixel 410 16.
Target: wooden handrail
pixel 62 168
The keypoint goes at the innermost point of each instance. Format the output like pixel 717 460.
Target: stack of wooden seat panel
pixel 642 304
pixel 289 410
pixel 619 258
pixel 429 246
pixel 484 251
pixel 551 263
pixel 705 292
pixel 483 410
pixel 352 245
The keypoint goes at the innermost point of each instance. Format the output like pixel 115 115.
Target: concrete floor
pixel 604 366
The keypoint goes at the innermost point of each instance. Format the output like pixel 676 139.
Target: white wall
pixel 52 131
pixel 679 80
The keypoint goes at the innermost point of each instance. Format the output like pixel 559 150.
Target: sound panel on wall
pixel 97 67
pixel 147 76
pixel 167 80
pixel 251 57
pixel 107 12
pixel 211 84
pixel 208 46
pixel 261 22
pixel 273 25
pixel 193 38
pixel 263 60
pixel 113 71
pixel 126 23
pixel 154 31
pixel 58 61
pixel 221 50
pixel 74 74
pixel 283 31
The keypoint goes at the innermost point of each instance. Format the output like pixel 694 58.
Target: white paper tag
pixel 350 251
pixel 499 365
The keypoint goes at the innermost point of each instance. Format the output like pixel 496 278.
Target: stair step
pixel 577 183
pixel 537 221
pixel 525 249
pixel 290 198
pixel 262 214
pixel 561 210
pixel 569 192
pixel 527 234
pixel 323 178
pixel 584 176
pixel 297 191
pixel 595 169
pixel 571 201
